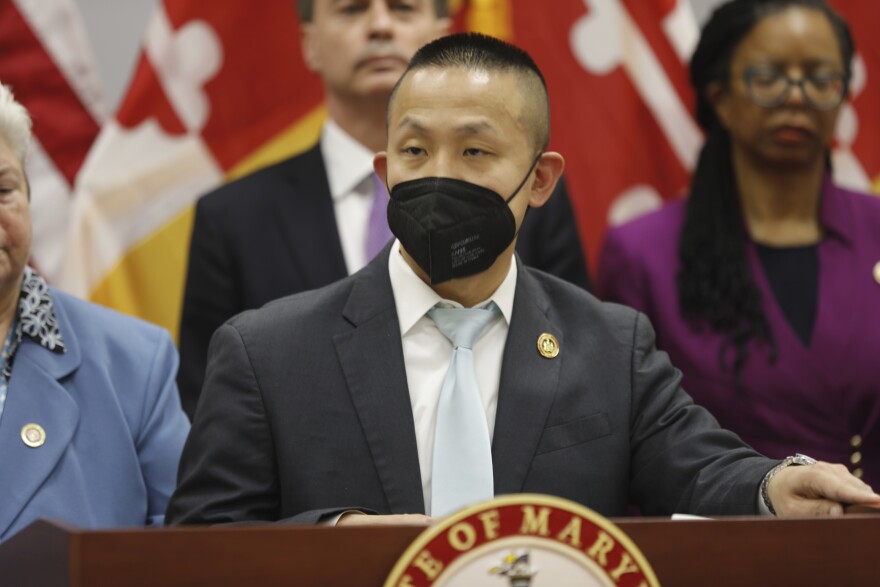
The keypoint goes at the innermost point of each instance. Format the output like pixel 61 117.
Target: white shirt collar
pixel 413 297
pixel 348 162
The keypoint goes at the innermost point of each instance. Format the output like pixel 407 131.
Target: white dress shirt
pixel 350 175
pixel 427 353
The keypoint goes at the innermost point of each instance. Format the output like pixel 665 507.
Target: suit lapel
pixel 527 387
pixel 371 356
pixel 308 222
pixel 36 397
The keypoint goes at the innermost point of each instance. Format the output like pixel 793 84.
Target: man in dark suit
pixel 303 223
pixel 327 401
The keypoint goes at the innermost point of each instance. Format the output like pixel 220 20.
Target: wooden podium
pixel 732 551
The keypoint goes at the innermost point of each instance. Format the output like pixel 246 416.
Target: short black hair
pixel 475 51
pixel 305 9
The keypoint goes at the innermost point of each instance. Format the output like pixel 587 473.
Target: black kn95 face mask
pixel 451 228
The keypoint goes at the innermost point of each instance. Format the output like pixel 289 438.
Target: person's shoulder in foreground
pixel 110 420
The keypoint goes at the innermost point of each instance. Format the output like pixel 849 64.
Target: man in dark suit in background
pixel 339 398
pixel 306 222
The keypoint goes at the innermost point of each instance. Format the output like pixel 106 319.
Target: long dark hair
pixel 715 285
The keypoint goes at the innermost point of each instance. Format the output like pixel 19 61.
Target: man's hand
pixel 817 490
pixel 359 519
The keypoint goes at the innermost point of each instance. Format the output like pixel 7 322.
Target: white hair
pixel 15 123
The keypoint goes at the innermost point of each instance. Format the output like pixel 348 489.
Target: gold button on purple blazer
pixel 813 399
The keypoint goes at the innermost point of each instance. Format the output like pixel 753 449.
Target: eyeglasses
pixel 770 87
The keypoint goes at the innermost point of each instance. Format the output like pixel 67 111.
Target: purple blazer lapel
pixel 837 268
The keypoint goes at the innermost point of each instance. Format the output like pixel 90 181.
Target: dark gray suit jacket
pixel 306 411
pixel 273 233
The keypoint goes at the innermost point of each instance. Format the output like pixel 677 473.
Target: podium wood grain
pixel 733 551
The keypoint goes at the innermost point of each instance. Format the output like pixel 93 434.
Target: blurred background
pixel 115 29
pixel 142 106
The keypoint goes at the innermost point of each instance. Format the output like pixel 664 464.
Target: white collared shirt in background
pixel 427 353
pixel 350 175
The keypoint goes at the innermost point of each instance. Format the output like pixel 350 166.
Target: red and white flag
pixel 622 104
pixel 620 101
pixel 218 83
pixel 857 140
pixel 48 62
pixel 220 89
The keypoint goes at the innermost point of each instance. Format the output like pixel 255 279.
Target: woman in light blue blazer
pixel 91 427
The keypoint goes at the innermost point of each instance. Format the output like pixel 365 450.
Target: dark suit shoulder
pixel 548 239
pixel 315 309
pixel 300 173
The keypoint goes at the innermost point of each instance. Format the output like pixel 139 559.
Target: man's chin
pixel 380 81
pixel 376 92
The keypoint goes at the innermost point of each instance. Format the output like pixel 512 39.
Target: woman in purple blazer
pixel 764 285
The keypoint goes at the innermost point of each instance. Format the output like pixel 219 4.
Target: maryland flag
pixel 622 105
pixel 620 99
pixel 857 150
pixel 220 90
pixel 46 58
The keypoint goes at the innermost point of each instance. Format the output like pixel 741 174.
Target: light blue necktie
pixel 462 471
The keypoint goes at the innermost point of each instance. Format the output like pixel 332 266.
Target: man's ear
pixel 380 166
pixel 548 170
pixel 307 43
pixel 719 98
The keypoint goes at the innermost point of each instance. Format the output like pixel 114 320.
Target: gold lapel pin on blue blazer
pixel 33 435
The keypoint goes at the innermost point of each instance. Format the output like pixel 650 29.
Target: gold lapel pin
pixel 877 272
pixel 548 346
pixel 33 435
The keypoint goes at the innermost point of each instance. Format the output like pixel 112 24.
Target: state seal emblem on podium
pixel 523 540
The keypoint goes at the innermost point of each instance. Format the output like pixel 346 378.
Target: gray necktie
pixel 462 469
